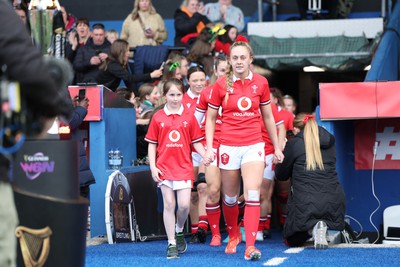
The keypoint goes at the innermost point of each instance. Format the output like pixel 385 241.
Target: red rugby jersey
pixel 174 134
pixel 189 101
pixel 201 107
pixel 269 147
pixel 288 118
pixel 241 116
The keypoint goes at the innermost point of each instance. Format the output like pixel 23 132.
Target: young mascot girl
pixel 170 135
pixel 244 97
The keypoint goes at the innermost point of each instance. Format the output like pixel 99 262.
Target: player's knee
pixel 169 205
pixel 194 197
pixel 214 191
pixel 184 207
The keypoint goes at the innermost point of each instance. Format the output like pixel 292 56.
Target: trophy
pixel 47 27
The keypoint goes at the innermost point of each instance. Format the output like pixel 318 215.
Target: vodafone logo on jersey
pixel 174 136
pixel 243 104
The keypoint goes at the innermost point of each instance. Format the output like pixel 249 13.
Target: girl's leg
pixel 230 189
pixel 252 173
pixel 213 177
pixel 169 213
pixel 183 196
pixel 202 193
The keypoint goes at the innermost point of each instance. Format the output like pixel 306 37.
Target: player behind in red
pixel 244 98
pixel 267 186
pixel 283 186
pixel 196 78
pixel 212 173
pixel 171 134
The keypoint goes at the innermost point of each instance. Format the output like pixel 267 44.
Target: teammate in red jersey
pixel 171 134
pixel 283 186
pixel 267 186
pixel 212 173
pixel 244 98
pixel 196 78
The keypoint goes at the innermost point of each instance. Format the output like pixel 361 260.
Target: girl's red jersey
pixel 174 134
pixel 240 115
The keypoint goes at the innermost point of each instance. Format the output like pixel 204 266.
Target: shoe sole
pixel 173 257
pixel 321 243
pixel 255 256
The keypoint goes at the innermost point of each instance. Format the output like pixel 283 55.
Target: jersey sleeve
pixel 153 131
pixel 214 98
pixel 265 96
pixel 195 132
pixel 277 115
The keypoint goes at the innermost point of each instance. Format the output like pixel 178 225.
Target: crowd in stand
pixel 207 97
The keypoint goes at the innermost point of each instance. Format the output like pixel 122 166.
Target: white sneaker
pixel 319 234
pixel 260 236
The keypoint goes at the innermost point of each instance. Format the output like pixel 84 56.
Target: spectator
pixel 112 35
pixel 184 64
pixel 77 38
pixel 69 20
pixel 224 12
pixel 144 26
pixel 86 177
pixel 225 40
pixel 316 201
pixel 201 52
pixel 22 13
pixel 25 65
pixel 91 55
pixel 188 19
pixel 114 69
pixel 148 97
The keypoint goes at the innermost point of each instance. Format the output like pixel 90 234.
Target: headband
pixel 174 66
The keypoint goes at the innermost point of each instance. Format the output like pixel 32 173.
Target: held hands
pixel 278 156
pixel 155 174
pixel 209 157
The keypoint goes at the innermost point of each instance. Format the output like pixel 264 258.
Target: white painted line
pixel 293 250
pixel 274 261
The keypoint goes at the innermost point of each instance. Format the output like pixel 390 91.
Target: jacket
pixel 184 24
pixel 86 73
pixel 115 72
pixel 133 32
pixel 315 195
pixel 85 174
